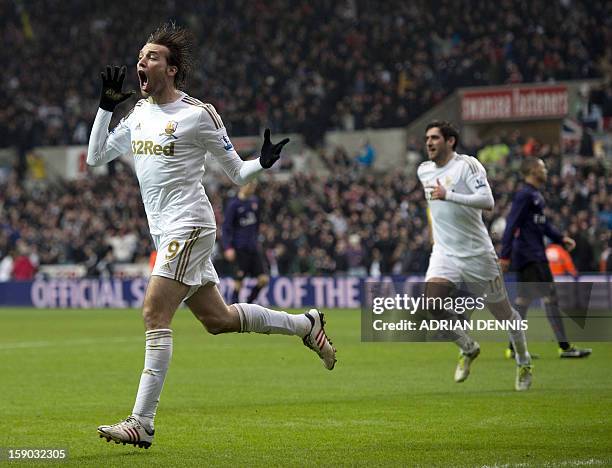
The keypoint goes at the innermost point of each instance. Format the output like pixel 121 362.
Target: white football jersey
pixel 458 230
pixel 169 143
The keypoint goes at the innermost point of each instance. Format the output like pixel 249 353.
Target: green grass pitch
pixel 253 400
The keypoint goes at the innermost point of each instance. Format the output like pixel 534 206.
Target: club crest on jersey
pixel 227 144
pixel 171 127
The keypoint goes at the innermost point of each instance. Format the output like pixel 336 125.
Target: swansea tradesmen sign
pixel 514 103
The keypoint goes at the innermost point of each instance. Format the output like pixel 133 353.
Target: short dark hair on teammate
pixel 447 130
pixel 528 165
pixel 179 42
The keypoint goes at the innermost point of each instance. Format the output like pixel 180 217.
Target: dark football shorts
pixel 535 281
pixel 250 264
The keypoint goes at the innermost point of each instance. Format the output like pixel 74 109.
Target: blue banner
pixel 284 292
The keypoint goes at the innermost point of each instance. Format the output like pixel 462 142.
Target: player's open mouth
pixel 142 76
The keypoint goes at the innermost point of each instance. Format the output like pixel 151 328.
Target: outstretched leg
pixel 217 317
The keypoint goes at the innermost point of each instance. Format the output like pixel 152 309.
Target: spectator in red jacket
pixel 23 268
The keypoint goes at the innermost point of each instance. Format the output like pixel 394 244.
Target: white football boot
pixel 465 362
pixel 129 431
pixel 524 375
pixel 573 352
pixel 317 340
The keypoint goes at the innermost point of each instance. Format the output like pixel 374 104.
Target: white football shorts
pixel 481 274
pixel 184 255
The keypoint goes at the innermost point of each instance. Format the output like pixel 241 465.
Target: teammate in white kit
pixel 168 133
pixel 457 190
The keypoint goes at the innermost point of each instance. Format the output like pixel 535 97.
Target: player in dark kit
pixel 523 242
pixel 240 243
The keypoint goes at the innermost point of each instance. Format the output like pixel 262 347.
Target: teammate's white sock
pixel 519 341
pixel 158 352
pixel 258 319
pixel 464 341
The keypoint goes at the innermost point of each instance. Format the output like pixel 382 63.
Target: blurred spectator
pixel 355 256
pixel 531 147
pixel 560 261
pixel 367 155
pixel 605 259
pixel 583 253
pixel 414 154
pixel 375 265
pixel 385 245
pixel 341 258
pixel 586 143
pixel 589 112
pixel 494 155
pixel 123 243
pixel 23 267
pixel 152 260
pixel 6 267
pixel 304 264
pixel 605 214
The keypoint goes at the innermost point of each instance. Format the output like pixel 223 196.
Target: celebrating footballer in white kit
pixel 168 134
pixel 457 190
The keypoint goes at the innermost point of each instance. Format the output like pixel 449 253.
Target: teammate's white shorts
pixel 184 255
pixel 481 274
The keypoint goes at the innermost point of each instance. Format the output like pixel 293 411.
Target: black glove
pixel 112 81
pixel 270 153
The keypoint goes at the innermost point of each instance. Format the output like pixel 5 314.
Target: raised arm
pixel 213 137
pixel 104 146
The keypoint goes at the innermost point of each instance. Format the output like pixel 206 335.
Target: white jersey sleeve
pixel 104 146
pixel 475 176
pixel 212 137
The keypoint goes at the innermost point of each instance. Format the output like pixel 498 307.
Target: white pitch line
pixel 52 344
pixel 588 462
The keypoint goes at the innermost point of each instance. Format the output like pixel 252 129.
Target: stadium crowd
pixel 294 66
pixel 350 221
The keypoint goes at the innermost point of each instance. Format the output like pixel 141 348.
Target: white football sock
pixel 158 352
pixel 464 341
pixel 519 341
pixel 258 319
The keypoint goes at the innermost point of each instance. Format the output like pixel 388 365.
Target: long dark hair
pixel 179 42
